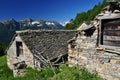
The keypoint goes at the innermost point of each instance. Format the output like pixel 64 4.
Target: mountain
pixel 8 27
pixel 39 24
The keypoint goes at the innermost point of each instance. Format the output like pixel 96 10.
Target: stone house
pixel 100 52
pixel 38 49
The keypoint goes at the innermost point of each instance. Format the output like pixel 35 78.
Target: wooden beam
pixel 51 65
pixel 112 51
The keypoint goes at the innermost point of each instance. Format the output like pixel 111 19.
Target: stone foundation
pixel 19 69
pixel 19 72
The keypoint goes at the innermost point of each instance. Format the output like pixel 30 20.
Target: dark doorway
pixel 19 48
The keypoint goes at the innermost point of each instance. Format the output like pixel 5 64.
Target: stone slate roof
pixel 49 43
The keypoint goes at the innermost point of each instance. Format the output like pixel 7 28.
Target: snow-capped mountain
pixel 40 24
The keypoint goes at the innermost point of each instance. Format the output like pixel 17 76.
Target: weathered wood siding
pixel 110 32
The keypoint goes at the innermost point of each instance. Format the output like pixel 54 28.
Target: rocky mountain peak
pixel 28 20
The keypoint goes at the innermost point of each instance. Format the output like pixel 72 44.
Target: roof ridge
pixel 23 31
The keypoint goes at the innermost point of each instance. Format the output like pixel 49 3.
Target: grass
pixel 73 73
pixel 63 72
pixel 5 72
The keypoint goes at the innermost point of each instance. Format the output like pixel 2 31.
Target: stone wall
pixel 82 51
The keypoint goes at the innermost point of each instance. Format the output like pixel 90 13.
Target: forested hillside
pixel 3 47
pixel 85 16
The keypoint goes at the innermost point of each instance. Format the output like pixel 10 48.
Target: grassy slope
pixel 63 73
pixel 4 70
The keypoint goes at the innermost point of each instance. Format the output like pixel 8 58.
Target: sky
pixel 55 10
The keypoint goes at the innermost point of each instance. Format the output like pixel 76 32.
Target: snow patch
pixel 49 23
pixel 35 22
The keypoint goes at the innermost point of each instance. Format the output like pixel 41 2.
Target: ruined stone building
pixel 95 47
pixel 100 52
pixel 38 49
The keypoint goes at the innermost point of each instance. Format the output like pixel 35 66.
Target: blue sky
pixel 57 10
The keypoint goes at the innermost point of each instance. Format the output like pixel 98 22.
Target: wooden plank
pixel 112 32
pixel 51 65
pixel 111 43
pixel 111 49
pixel 111 38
